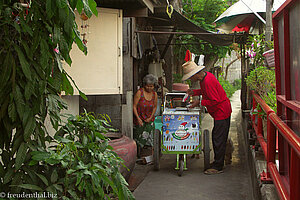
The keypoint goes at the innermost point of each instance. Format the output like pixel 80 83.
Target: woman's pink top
pixel 145 107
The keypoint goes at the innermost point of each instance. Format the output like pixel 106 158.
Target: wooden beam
pixel 142 12
pixel 149 4
pixel 167 46
pixel 180 33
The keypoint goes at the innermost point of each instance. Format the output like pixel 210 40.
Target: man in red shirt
pixel 218 106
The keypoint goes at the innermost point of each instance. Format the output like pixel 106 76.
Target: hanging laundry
pixel 201 60
pixel 188 56
pixel 193 57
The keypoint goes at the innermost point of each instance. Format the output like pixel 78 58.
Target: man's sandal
pixel 212 171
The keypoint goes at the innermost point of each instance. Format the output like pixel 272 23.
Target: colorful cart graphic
pixel 181 133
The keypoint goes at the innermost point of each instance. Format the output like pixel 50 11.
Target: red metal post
pixel 295 175
pixel 289 135
pixel 271 137
pixel 278 90
pixel 281 189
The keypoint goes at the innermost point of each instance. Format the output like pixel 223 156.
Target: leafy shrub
pixel 256 47
pixel 237 84
pixel 228 87
pixel 262 81
pixel 82 163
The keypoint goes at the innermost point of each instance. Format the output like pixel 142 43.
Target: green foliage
pixel 82 163
pixel 34 42
pixel 202 13
pixel 256 47
pixel 177 78
pixel 228 87
pixel 237 84
pixel 262 81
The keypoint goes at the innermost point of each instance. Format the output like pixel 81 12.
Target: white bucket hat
pixel 190 68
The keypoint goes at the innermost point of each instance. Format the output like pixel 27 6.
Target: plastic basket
pixel 270 58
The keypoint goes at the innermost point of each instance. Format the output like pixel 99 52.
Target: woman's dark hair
pixel 150 79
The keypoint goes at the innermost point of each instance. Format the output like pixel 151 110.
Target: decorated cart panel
pixel 180 132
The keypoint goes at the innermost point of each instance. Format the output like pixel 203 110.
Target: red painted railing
pixel 287 187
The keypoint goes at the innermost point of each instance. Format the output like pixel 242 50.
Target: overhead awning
pixel 182 25
pixel 127 4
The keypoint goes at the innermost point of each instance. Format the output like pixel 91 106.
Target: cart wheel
pixel 206 149
pixel 156 153
pixel 181 166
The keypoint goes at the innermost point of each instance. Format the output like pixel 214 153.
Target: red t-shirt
pixel 214 97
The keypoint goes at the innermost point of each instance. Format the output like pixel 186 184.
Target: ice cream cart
pixel 180 133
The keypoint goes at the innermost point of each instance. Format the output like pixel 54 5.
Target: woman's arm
pixel 136 99
pixel 154 109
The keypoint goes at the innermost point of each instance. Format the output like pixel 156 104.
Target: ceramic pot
pixel 125 147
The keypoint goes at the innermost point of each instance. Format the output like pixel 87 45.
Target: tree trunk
pixel 210 60
pixel 227 67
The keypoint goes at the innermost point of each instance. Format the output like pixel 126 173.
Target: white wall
pixel 234 71
pixel 100 72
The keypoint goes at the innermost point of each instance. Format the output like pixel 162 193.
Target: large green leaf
pixel 40 155
pixel 43 178
pixel 54 176
pixel 2 171
pixel 30 187
pixel 44 53
pixel 56 34
pixel 18 139
pixel 28 51
pixel 29 90
pixel 93 6
pixel 73 3
pixel 80 93
pixel 49 9
pixel 20 104
pixel 79 6
pixel 64 49
pixel 63 13
pixel 21 155
pixel 86 8
pixel 24 64
pixel 6 69
pixel 25 26
pixel 29 128
pixel 12 113
pixel 79 42
pixel 68 24
pixel 8 175
pixel 62 3
pixel 66 85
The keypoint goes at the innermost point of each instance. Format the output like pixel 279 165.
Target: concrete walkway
pixel 233 184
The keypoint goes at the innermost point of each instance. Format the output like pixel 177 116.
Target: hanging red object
pixel 188 56
pixel 244 26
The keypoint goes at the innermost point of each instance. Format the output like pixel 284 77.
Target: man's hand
pixel 190 92
pixel 194 104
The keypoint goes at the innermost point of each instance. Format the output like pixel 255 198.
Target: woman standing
pixel 144 108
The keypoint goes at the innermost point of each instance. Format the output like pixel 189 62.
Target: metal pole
pixel 269 5
pixel 257 15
